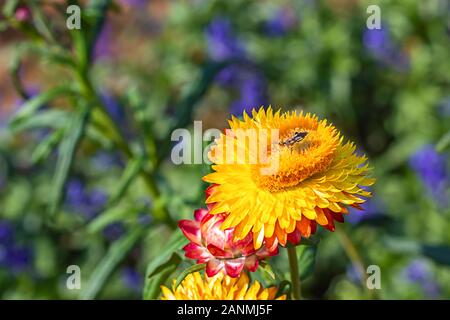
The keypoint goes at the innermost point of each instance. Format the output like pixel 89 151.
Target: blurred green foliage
pixel 85 170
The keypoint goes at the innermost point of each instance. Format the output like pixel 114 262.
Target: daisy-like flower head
pixel 217 248
pixel 219 287
pixel 317 175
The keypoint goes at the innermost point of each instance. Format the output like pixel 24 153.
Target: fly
pixel 297 137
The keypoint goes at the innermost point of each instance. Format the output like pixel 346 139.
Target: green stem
pixel 148 178
pixel 354 257
pixel 295 276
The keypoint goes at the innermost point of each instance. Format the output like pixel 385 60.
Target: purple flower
pixel 88 204
pixel 135 3
pixel 6 232
pixel 242 77
pixel 222 42
pixel 370 210
pixel 281 22
pixel 380 45
pixel 132 279
pixel 419 272
pixel 103 161
pixel 17 258
pixel 102 48
pixel 114 231
pixel 113 107
pixel 253 93
pixel 432 169
pixel 353 273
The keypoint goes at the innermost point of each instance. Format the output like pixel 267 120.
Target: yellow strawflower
pixel 220 287
pixel 317 176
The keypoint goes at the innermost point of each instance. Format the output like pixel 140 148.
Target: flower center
pixel 300 154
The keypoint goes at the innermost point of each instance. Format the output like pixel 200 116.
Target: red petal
pixel 191 230
pixel 234 267
pixel 219 253
pixel 194 251
pixel 209 191
pixel 294 237
pixel 213 267
pixel 313 227
pixel 330 225
pixel 338 216
pixel 357 206
pixel 211 232
pixel 200 213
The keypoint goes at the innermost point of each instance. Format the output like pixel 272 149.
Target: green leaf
pixel 46 146
pixel 152 285
pixel 116 253
pixel 438 252
pixel 160 276
pixel 311 241
pixel 132 170
pixel 109 216
pixel 97 136
pixel 284 287
pixel 10 7
pixel 31 106
pixel 306 260
pixel 444 143
pixel 45 119
pixel 186 272
pixel 67 151
pixel 267 269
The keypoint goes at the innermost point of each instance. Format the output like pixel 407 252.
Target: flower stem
pixel 354 256
pixel 295 276
pixel 120 141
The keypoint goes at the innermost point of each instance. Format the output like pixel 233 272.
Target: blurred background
pixel 86 116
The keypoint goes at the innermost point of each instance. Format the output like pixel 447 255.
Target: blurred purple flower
pixel 106 160
pixel 353 273
pixel 281 22
pixel 432 169
pixel 222 42
pixel 419 272
pixel 370 210
pixel 243 77
pixel 132 279
pixel 144 219
pixel 380 45
pixel 6 232
pixel 253 93
pixel 79 200
pixel 114 231
pixel 135 3
pixel 18 258
pixel 113 107
pixel 102 48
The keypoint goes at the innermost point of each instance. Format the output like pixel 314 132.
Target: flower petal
pixel 191 229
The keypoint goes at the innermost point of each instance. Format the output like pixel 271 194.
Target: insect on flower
pixel 297 137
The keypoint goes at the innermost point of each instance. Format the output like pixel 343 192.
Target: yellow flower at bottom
pixel 220 287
